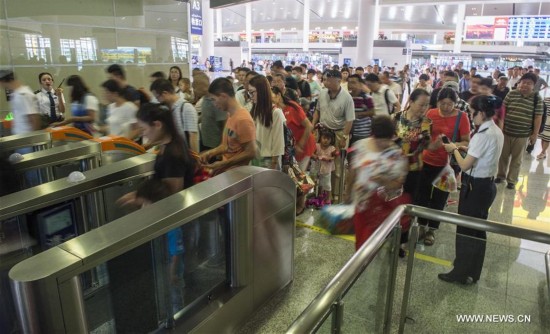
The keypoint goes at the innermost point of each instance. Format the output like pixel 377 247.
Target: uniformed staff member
pixel 478 189
pixel 51 102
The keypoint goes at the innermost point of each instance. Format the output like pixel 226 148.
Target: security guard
pixel 478 190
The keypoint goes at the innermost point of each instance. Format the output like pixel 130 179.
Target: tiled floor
pixel 513 281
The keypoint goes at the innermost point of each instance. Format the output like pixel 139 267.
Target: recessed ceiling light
pixel 158 18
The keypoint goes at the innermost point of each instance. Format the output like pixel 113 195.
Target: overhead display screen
pixel 507 28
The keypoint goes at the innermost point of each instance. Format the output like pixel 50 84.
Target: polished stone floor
pixel 513 285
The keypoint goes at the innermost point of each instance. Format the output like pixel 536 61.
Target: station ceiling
pixel 288 14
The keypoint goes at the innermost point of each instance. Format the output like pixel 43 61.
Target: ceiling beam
pixel 450 2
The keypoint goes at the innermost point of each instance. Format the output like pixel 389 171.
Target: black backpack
pixel 544 112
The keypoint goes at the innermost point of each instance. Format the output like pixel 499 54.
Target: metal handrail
pixel 318 309
pixel 320 306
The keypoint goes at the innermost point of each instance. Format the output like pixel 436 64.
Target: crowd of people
pixel 372 131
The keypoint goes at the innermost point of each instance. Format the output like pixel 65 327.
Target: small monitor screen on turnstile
pixel 56 225
pixel 57 221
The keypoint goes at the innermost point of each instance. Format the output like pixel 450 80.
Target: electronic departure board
pixel 507 28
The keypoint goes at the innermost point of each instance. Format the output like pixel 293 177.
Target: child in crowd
pixel 151 191
pixel 325 153
pixel 186 90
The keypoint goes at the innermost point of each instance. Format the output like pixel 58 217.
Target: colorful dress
pixel 391 163
pixel 414 136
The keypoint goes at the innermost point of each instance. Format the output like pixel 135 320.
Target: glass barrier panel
pixel 365 303
pixel 151 286
pixel 509 295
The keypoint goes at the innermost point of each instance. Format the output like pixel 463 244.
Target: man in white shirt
pixel 335 110
pixel 26 118
pixel 185 115
pixel 395 87
pixel 23 104
pixel 514 78
pixel 385 101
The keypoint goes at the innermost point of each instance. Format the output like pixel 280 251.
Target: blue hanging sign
pixel 196 17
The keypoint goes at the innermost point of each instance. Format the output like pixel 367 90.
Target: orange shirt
pixel 239 130
pixel 444 125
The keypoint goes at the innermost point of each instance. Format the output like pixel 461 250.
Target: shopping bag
pixel 303 182
pixel 337 219
pixel 446 180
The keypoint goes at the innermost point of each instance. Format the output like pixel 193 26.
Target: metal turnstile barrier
pixel 258 248
pixel 42 139
pixel 41 217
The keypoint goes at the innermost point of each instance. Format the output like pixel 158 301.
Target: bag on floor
pixel 338 219
pixel 446 180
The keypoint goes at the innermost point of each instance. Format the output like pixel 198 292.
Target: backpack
pixel 544 112
pixel 391 107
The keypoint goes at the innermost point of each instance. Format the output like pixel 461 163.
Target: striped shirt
pixel 518 121
pixel 362 126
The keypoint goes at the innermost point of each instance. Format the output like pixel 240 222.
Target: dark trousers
pixel 410 187
pixel 476 197
pixel 429 196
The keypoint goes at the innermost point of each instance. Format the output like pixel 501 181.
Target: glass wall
pixel 84 37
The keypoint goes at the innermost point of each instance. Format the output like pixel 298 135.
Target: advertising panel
pixel 196 17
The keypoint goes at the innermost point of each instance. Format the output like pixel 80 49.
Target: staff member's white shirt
pixel 486 146
pixel 44 102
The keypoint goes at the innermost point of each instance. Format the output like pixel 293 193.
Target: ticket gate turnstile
pixel 53 213
pixel 59 161
pixel 42 139
pixel 258 261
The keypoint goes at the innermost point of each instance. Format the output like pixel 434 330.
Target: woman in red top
pixel 444 119
pixel 301 128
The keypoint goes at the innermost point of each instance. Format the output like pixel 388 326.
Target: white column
pixel 305 33
pixel 207 38
pixel 249 30
pixel 369 22
pixel 461 12
pixel 219 22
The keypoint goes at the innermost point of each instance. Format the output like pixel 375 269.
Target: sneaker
pixel 510 186
pixel 498 180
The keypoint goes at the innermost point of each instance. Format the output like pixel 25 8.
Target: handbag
pixel 303 182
